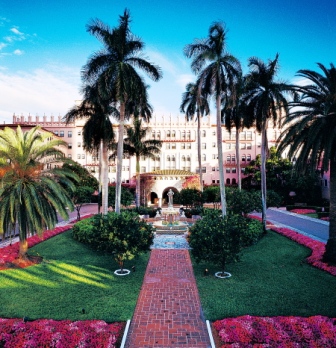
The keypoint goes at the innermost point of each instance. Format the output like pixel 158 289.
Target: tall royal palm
pixel 30 195
pixel 234 113
pixel 265 101
pixel 97 131
pixel 216 70
pixel 310 134
pixel 115 69
pixel 195 103
pixel 136 144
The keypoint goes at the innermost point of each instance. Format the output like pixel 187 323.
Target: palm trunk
pixel 104 174
pixel 238 157
pixel 199 150
pixel 137 185
pixel 220 156
pixel 120 151
pixel 23 249
pixel 263 175
pixel 330 251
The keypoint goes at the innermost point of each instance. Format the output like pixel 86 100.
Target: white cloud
pixel 18 52
pixel 38 92
pixel 16 31
pixel 2 45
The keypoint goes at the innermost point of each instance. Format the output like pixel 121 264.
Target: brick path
pixel 168 312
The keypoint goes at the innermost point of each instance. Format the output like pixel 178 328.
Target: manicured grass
pixel 312 215
pixel 272 279
pixel 70 278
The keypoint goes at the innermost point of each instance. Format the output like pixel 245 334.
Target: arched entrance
pixel 154 198
pixel 165 196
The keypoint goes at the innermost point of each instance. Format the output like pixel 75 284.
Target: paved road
pixel 314 228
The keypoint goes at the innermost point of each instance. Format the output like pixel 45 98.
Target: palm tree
pixel 216 70
pixel 234 113
pixel 31 196
pixel 97 131
pixel 265 101
pixel 114 68
pixel 311 135
pixel 135 144
pixel 193 102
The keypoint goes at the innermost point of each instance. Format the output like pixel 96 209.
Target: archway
pixel 154 198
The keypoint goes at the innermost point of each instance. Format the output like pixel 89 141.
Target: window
pixel 203 146
pixel 173 146
pixel 189 135
pixel 69 134
pixel 79 133
pixel 173 134
pixel 183 158
pixel 142 158
pixel 248 158
pixel 182 146
pixel 243 158
pixel 203 170
pixel 188 158
pixel 78 156
pixel 157 158
pixel 227 170
pixel 243 146
pixel 69 146
pixel 183 135
pixel 173 158
pixel 153 134
pixel 113 169
pixel 259 144
pixel 213 145
pixel 83 156
pixel 234 170
pixel 188 146
pixel 168 146
pixel 79 144
pixel 158 134
pixel 214 133
pixel 168 134
pixel 249 135
pixel 61 134
pixel 204 157
pixel 228 182
pixel 214 156
pixel 249 146
pixel 234 181
pixel 69 156
pixel 56 133
pixel 243 170
pixel 233 158
pixel 243 135
pixel 213 169
pixel 233 135
pixel 143 169
pixel 214 181
pixel 228 158
pixel 204 134
pixel 168 158
pixel 228 146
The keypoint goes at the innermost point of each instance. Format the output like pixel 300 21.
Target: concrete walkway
pixel 168 313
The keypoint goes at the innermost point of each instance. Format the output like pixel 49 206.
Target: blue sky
pixel 44 44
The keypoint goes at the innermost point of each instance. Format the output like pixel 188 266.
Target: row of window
pixel 228 181
pixel 171 134
pixel 61 133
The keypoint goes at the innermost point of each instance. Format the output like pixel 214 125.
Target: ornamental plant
pixel 124 235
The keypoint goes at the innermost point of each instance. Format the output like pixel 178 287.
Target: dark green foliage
pixel 242 201
pixel 124 235
pixel 252 232
pixel 82 195
pixel 216 239
pixel 144 211
pixel 273 199
pixel 126 197
pixel 189 197
pixel 85 178
pixel 211 194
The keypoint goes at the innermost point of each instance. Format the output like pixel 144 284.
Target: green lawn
pixel 271 279
pixel 71 277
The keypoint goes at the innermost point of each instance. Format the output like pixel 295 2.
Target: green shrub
pixel 124 235
pixel 252 233
pixel 143 211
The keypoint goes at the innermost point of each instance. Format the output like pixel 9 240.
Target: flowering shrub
pixel 303 211
pixel 248 331
pixel 61 334
pixel 326 218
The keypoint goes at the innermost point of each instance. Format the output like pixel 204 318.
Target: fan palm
pixel 194 103
pixel 31 196
pixel 234 113
pixel 216 70
pixel 97 131
pixel 265 101
pixel 311 135
pixel 135 144
pixel 114 68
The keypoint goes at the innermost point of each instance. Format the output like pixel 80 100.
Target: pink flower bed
pixel 284 332
pixel 51 333
pixel 59 334
pixel 303 211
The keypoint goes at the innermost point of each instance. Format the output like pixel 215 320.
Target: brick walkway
pixel 168 312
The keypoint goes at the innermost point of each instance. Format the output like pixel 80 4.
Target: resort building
pixel 178 152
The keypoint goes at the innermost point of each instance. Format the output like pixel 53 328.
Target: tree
pixel 85 178
pixel 216 239
pixel 234 113
pixel 211 194
pixel 82 195
pixel 265 101
pixel 97 131
pixel 311 137
pixel 126 197
pixel 30 195
pixel 216 70
pixel 114 69
pixel 193 102
pixel 135 144
pixel 190 197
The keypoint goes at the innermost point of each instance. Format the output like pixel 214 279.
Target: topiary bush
pixel 124 235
